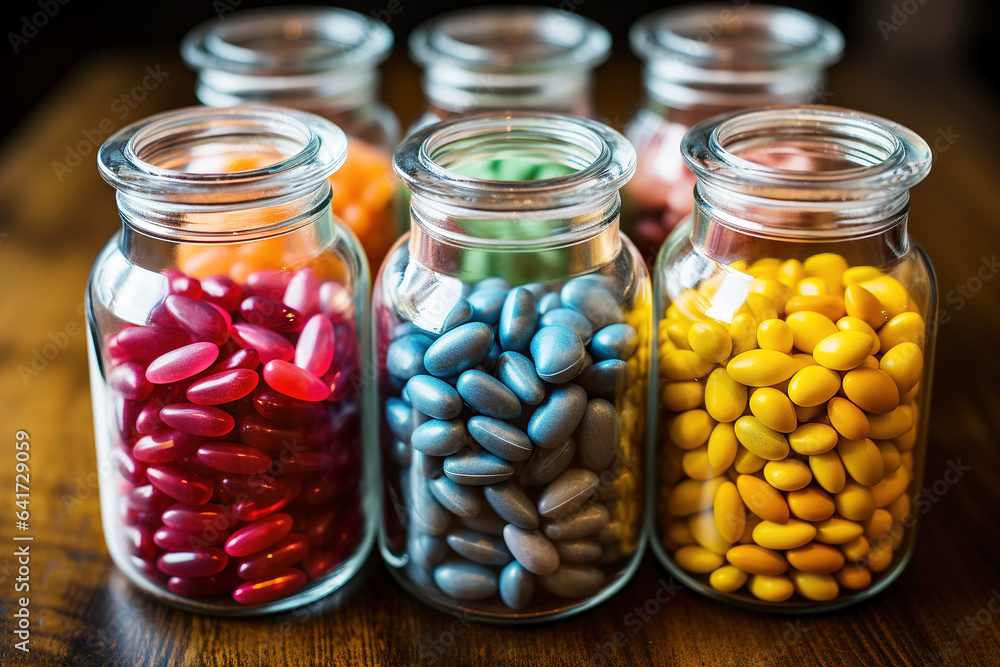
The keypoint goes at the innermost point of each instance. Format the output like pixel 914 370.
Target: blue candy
pixel 433 397
pixel 463 580
pixel 586 296
pixel 487 395
pixel 460 313
pixel 518 372
pixel 405 357
pixel 555 420
pixel 615 341
pixel 477 468
pixel 517 586
pixel 441 438
pixel 500 438
pixel 518 319
pixel 550 301
pixel 558 353
pixel 605 379
pixel 458 350
pixel 569 318
pixel 399 417
pixel 487 304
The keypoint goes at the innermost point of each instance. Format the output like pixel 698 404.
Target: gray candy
pixel 427 550
pixel 457 498
pixel 405 356
pixel 441 438
pixel 518 319
pixel 573 581
pixel 488 522
pixel 486 304
pixel 477 468
pixel 586 521
pixel 479 548
pixel 465 581
pixel 512 504
pixel 558 353
pixel 578 551
pixel 517 586
pixel 615 341
pixel 517 372
pixel 458 350
pixel 531 549
pixel 605 379
pixel 566 493
pixel 547 464
pixel 399 417
pixel 597 435
pixel 487 395
pixel 433 397
pixel 500 438
pixel 549 302
pixel 568 317
pixel 434 518
pixel 595 302
pixel 430 467
pixel 554 421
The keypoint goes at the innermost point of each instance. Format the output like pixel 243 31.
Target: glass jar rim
pixel 334 38
pixel 887 158
pixel 685 35
pixel 456 39
pixel 611 162
pixel 126 160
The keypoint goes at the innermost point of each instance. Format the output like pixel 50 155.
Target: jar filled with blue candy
pixel 513 329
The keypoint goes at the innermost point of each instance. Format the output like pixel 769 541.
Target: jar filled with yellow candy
pixel 796 338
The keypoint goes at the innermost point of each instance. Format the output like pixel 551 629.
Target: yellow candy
pixel 696 464
pixel 681 396
pixel 743 331
pixel 859 274
pixel 854 577
pixel 677 332
pixel 789 535
pixel 813 385
pixel 856 550
pixel 869 362
pixel 811 504
pixel 761 307
pixel 684 365
pixel 727 579
pixel 892 487
pixel 816 587
pixel 760 440
pixel 871 390
pixel 904 363
pixel 838 531
pixel 773 409
pixel 766 267
pixel 762 499
pixel 761 368
pixel 877 525
pixel 722 446
pixel 862 460
pixel 891 424
pixel 710 341
pixel 775 292
pixel 757 560
pixel 903 328
pixel 828 470
pixel 730 514
pixel 771 589
pixel 808 414
pixel 699 560
pixel 775 334
pixel 787 475
pixel 707 534
pixel 813 438
pixel 725 398
pixel 829 266
pixel 848 323
pixel 791 272
pixel 891 458
pixel 862 304
pixel 816 558
pixel 692 496
pixel 906 442
pixel 855 502
pixel 900 509
pixel 811 287
pixel 809 328
pixel 842 351
pixel 746 463
pixel 879 558
pixel 889 293
pixel 691 429
pixel 825 304
pixel 847 419
pixel 679 533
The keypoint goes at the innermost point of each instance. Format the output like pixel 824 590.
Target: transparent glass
pixel 700 61
pixel 796 325
pixel 508 58
pixel 513 339
pixel 227 321
pixel 325 61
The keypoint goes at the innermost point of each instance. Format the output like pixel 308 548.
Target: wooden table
pixel 941 611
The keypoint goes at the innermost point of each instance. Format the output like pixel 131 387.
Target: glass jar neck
pixel 454 90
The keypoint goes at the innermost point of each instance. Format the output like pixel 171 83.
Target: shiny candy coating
pixel 459 350
pixel 558 352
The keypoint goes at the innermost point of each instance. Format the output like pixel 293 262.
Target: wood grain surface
pixel 53 221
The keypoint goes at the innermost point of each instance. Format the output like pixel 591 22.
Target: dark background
pixel 941 37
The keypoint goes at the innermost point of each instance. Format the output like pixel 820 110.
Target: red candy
pixel 273 506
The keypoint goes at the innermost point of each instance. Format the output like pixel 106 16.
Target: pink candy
pixel 314 351
pixel 269 345
pixel 258 535
pixel 293 381
pixel 182 363
pixel 223 387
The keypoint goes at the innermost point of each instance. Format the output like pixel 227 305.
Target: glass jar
pixel 513 330
pixel 508 58
pixel 701 61
pixel 321 60
pixel 796 342
pixel 227 406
